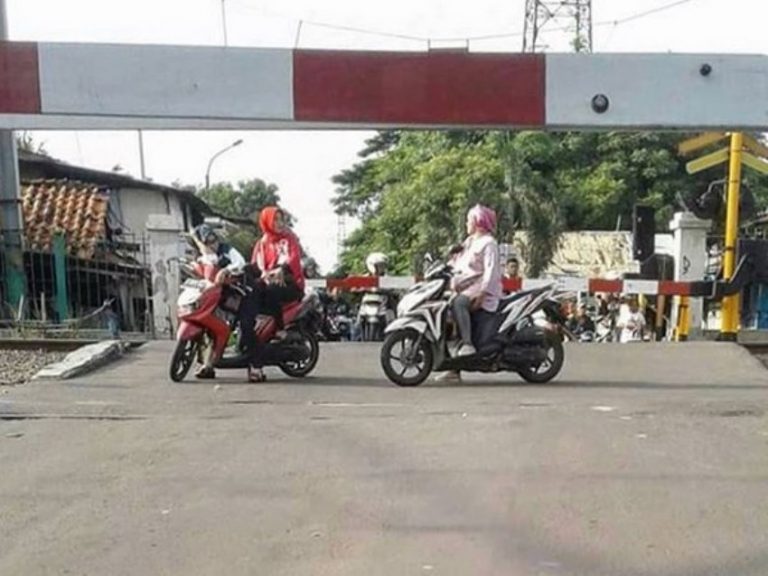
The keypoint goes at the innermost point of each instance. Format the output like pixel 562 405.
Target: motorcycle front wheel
pixel 549 367
pixel 183 357
pixel 406 358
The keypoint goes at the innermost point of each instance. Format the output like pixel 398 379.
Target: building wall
pixel 133 207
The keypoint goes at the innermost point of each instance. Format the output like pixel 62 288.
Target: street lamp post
pixel 234 144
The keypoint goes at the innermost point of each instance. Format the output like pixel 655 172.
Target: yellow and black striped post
pixel 683 319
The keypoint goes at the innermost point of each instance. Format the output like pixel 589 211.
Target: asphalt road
pixel 641 459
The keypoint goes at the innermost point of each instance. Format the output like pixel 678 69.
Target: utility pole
pixel 341 235
pixel 545 18
pixel 142 163
pixel 224 21
pixel 11 223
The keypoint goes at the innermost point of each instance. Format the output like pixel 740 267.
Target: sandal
pixel 205 373
pixel 256 375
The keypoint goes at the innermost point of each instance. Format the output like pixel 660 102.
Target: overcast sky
pixel 301 163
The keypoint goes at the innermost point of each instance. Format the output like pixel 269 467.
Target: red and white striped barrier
pixel 566 284
pixel 111 86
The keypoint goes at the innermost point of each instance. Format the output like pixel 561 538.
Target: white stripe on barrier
pixel 656 90
pixel 396 282
pixel 316 282
pixel 166 81
pixel 533 283
pixel 571 284
pixel 641 287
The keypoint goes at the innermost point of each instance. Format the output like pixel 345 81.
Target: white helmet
pixel 377 263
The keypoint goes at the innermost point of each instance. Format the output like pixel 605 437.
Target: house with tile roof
pixel 96 226
pixel 131 200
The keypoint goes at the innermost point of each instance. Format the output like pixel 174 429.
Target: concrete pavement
pixel 641 459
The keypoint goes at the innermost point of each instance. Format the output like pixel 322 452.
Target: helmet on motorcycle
pixel 206 234
pixel 377 263
pixel 309 266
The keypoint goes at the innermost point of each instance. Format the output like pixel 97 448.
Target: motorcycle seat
pixel 293 309
pixel 290 311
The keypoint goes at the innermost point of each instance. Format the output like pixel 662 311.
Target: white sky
pixel 301 163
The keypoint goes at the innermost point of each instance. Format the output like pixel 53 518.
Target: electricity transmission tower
pixel 546 18
pixel 341 235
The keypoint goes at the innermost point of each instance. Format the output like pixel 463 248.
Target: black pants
pixel 264 299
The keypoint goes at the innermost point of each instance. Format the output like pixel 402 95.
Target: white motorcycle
pixel 422 338
pixel 373 316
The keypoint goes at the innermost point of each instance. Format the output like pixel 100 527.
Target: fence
pixel 65 292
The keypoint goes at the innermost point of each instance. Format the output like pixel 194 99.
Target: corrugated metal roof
pixel 76 209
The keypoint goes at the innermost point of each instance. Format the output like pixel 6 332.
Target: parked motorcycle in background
pixel 336 314
pixel 376 308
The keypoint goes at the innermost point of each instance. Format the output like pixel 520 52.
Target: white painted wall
pixel 135 207
pixel 165 247
pixel 172 81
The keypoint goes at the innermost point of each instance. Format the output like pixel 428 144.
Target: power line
pixel 425 39
pixel 645 13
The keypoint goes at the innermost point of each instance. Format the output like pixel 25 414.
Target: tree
pixel 26 142
pixel 242 203
pixel 412 198
pixel 411 189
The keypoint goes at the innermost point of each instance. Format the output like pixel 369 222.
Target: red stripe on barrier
pixel 600 285
pixel 672 288
pixel 412 88
pixel 19 78
pixel 353 282
pixel 512 284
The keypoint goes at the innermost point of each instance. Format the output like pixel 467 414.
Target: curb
pixel 82 360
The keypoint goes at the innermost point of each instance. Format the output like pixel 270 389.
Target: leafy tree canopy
pixel 411 189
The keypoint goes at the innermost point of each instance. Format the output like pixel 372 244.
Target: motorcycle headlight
pixel 188 301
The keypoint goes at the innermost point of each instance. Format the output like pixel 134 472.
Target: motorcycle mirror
pixel 428 258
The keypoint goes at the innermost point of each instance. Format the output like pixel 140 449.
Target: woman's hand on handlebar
pixel 276 276
pixel 222 276
pixel 477 302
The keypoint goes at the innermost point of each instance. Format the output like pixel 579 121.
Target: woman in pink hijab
pixel 477 274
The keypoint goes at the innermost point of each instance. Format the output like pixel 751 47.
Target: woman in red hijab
pixel 277 254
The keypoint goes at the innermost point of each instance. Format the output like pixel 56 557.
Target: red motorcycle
pixel 208 313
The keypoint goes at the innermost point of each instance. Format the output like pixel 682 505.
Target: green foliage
pixel 242 203
pixel 26 142
pixel 413 197
pixel 412 189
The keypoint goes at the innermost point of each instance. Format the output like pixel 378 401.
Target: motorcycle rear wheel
pixel 183 357
pixel 303 367
pixel 549 368
pixel 399 347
